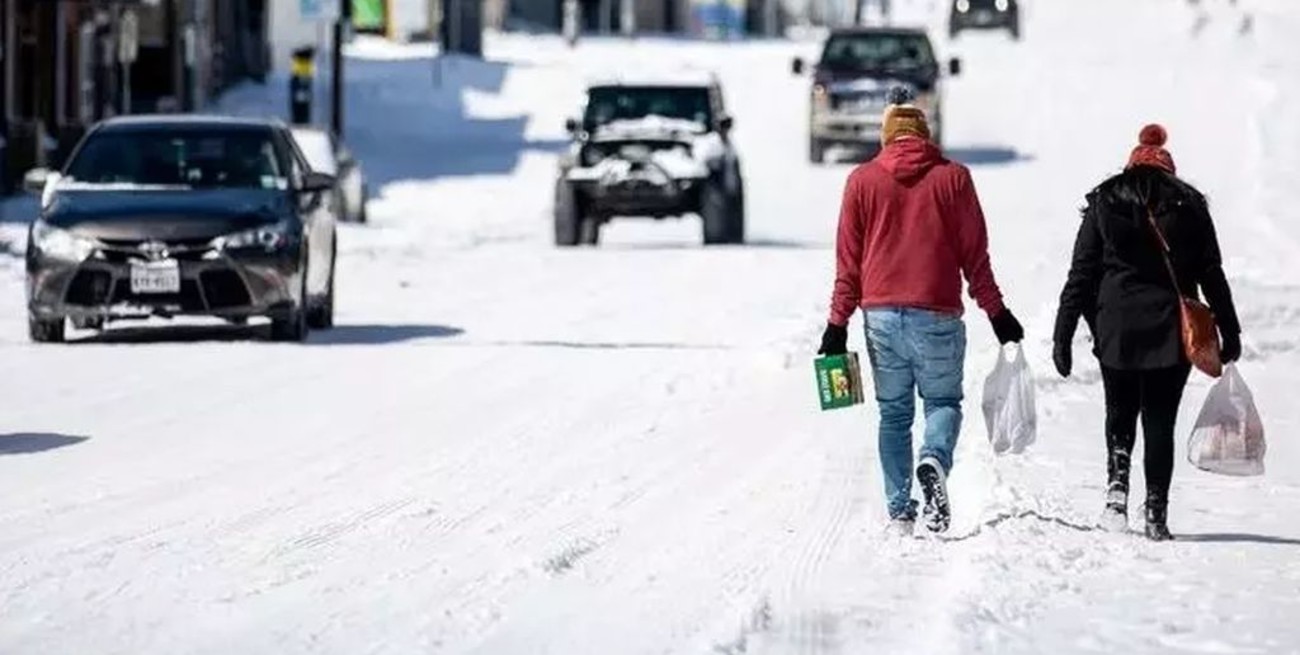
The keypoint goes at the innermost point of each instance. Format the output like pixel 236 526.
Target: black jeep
pixel 650 149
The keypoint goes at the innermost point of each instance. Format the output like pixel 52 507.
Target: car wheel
pixel 723 219
pixel 816 151
pixel 321 317
pixel 46 331
pixel 589 232
pixel 568 215
pixel 736 212
pixel 363 216
pixel 292 326
pixel 736 224
pixel 1015 31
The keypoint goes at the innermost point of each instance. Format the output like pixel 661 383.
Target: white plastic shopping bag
pixel 1009 409
pixel 1229 435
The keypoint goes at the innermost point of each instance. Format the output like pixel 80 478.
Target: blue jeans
pixel 911 351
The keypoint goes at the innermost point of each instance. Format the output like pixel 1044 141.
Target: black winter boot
pixel 1158 521
pixel 1114 517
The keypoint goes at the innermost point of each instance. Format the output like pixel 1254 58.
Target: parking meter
pixel 301 76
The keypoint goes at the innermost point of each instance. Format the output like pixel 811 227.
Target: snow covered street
pixel 508 448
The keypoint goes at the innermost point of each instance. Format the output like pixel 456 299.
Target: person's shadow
pixel 1238 538
pixel 24 443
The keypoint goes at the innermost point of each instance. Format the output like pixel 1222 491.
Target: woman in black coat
pixel 1120 285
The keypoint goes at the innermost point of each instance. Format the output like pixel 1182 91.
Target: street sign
pixel 319 10
pixel 128 39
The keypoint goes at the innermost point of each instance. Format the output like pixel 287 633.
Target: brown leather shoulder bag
pixel 1199 329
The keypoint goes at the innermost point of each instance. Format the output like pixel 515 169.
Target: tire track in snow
pixel 807 627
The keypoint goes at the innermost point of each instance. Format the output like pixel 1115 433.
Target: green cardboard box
pixel 839 381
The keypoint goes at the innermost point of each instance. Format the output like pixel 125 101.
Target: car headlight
pixel 1002 5
pixel 59 243
pixel 592 155
pixel 821 98
pixel 268 237
pixel 963 6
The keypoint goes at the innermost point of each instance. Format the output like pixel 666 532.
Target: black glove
pixel 1007 328
pixel 835 340
pixel 1063 357
pixel 1231 350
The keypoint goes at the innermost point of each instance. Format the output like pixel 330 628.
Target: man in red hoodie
pixel 910 227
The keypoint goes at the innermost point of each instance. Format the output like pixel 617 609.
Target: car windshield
pixel 175 158
pixel 878 51
pixel 608 104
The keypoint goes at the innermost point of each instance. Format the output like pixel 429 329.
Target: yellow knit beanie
pixel 902 118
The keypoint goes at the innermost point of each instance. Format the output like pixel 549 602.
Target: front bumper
pixel 846 128
pixel 641 198
pixel 642 188
pixel 856 130
pixel 212 283
pixel 983 19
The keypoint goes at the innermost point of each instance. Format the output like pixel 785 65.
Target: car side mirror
pixel 797 66
pixel 571 125
pixel 954 67
pixel 726 123
pixel 315 182
pixel 35 180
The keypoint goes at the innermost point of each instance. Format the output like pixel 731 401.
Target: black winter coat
pixel 1118 281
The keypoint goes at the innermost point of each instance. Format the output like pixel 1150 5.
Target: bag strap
pixel 1164 250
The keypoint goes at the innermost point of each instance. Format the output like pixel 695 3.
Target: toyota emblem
pixel 154 250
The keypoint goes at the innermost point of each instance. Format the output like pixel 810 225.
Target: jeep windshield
pixel 170 158
pixel 613 104
pixel 878 51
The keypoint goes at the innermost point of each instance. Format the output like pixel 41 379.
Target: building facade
pixel 65 64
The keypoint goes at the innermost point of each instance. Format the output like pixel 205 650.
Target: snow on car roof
pixel 187 120
pixel 676 78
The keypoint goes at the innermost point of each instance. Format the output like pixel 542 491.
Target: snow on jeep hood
pixel 649 127
pixel 660 166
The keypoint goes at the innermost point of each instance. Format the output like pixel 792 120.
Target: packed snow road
pixel 508 448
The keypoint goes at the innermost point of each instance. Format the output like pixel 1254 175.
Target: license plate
pixel 984 16
pixel 867 106
pixel 862 105
pixel 156 277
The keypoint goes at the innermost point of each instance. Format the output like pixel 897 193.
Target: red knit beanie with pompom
pixel 1151 150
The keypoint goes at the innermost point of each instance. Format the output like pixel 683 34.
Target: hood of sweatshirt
pixel 909 159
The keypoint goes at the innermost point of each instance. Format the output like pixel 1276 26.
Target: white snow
pixel 316 147
pixel 509 448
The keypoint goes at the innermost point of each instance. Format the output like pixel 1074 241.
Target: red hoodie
pixel 910 227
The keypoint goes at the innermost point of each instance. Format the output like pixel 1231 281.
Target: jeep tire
pixel 723 214
pixel 568 215
pixel 589 231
